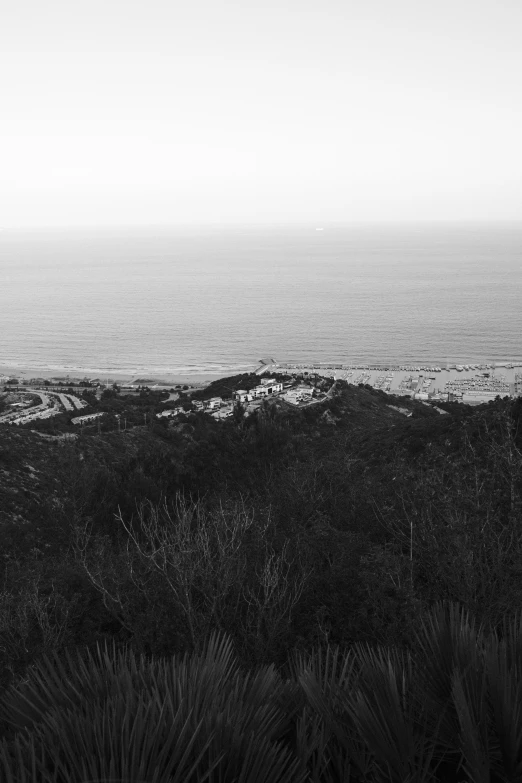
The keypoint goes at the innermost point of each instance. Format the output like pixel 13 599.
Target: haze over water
pixel 217 300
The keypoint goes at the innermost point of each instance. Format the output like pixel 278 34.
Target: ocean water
pixel 217 300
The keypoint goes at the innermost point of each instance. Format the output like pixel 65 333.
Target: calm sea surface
pixel 218 300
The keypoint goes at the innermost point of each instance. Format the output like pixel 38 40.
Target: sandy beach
pixel 203 379
pixel 163 379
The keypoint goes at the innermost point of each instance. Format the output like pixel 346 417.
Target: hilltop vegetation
pixel 291 529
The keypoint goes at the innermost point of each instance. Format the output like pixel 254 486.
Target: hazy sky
pixel 213 111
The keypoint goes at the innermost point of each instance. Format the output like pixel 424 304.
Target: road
pixel 26 414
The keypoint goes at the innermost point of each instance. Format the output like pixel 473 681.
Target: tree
pixel 239 413
pixel 215 568
pixel 108 394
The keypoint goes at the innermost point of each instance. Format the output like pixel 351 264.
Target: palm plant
pixel 453 709
pixel 448 644
pixel 368 701
pixel 473 682
pixel 367 715
pixel 110 715
pixel 327 739
pixel 389 713
pixel 504 681
pixel 452 682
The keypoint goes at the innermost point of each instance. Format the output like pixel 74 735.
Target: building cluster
pixel 249 399
pixel 267 387
pixel 298 394
pixel 479 388
pixel 38 412
pixel 22 411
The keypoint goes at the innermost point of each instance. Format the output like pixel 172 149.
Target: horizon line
pixel 305 224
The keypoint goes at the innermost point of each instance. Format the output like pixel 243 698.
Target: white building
pixel 241 395
pixel 214 403
pixel 168 413
pixel 293 396
pixel 305 392
pixel 86 418
pixel 265 390
pixel 224 413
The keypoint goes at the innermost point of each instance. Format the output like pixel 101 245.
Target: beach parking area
pixel 417 378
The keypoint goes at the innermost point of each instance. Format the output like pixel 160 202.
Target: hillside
pixel 348 516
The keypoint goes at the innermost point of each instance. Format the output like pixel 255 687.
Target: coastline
pixel 201 377
pixel 191 377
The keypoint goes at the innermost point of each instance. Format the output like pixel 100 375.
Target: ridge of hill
pixel 35 468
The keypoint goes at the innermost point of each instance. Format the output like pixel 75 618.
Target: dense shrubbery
pixel 339 524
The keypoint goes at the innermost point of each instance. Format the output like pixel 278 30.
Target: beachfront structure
pixel 477 397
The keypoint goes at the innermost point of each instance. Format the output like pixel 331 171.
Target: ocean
pixel 158 301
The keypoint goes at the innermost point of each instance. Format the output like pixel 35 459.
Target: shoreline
pixel 199 377
pixel 149 376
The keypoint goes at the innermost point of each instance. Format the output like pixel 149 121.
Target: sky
pixel 147 112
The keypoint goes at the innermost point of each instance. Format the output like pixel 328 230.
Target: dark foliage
pixel 371 516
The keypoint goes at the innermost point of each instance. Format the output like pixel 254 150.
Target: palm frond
pixel 505 697
pixel 473 729
pixel 122 739
pixel 265 762
pixel 448 641
pixel 512 638
pixel 110 714
pixel 327 691
pixel 391 718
